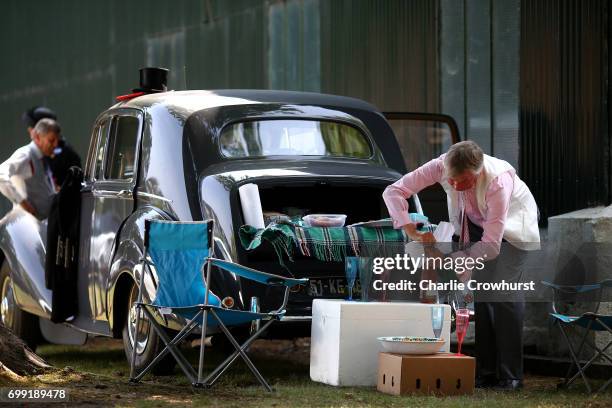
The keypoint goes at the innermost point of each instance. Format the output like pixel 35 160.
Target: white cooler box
pixel 344 350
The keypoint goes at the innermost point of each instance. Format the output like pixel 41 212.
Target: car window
pixel 91 152
pixel 121 155
pixel 293 138
pixel 421 140
pixel 102 136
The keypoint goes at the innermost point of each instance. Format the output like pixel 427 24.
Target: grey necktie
pixel 48 173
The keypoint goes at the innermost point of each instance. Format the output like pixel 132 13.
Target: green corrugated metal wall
pixel 383 51
pixel 76 56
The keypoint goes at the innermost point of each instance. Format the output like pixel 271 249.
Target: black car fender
pixel 126 268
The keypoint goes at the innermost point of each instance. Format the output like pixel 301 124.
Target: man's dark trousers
pixel 499 322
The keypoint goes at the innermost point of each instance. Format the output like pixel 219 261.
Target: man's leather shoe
pixel 486 382
pixel 509 385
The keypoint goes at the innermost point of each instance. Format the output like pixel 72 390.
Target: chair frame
pixel 196 378
pixel 565 327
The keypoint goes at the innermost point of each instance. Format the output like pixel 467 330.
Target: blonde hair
pixel 463 156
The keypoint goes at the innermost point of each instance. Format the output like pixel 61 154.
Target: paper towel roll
pixel 251 205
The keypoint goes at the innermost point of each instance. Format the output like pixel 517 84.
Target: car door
pixel 107 199
pixel 422 137
pixel 86 288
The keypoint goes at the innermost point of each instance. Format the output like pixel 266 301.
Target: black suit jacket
pixel 61 263
pixel 62 161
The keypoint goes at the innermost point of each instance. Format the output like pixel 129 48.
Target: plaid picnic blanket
pixel 280 236
pixel 325 243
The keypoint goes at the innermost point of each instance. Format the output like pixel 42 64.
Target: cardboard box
pixel 344 349
pixel 439 374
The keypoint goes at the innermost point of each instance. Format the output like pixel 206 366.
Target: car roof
pixel 187 102
pixel 183 104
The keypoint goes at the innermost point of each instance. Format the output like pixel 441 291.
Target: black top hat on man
pixel 33 115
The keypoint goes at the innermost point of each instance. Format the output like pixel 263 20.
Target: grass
pixel 97 374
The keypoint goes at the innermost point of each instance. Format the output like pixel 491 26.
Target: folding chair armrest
pixel 255 275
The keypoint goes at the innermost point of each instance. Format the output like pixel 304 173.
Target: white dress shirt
pixel 24 176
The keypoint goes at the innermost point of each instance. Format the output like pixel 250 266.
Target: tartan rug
pixel 325 243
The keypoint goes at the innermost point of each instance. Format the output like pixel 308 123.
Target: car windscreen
pixel 281 137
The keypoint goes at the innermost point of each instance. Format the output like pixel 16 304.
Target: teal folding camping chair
pixel 587 323
pixel 181 255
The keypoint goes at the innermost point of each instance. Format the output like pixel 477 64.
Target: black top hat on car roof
pixel 153 79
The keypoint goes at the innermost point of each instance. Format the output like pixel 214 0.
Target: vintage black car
pixel 183 156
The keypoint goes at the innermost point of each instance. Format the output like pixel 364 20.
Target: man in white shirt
pixel 64 155
pixel 25 178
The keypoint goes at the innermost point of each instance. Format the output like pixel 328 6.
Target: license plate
pixel 331 287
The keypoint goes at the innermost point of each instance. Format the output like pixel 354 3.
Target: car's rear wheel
pixel 148 344
pixel 22 324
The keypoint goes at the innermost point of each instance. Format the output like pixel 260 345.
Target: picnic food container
pixel 411 344
pixel 324 220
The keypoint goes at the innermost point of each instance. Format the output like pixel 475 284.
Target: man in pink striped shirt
pixel 488 205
